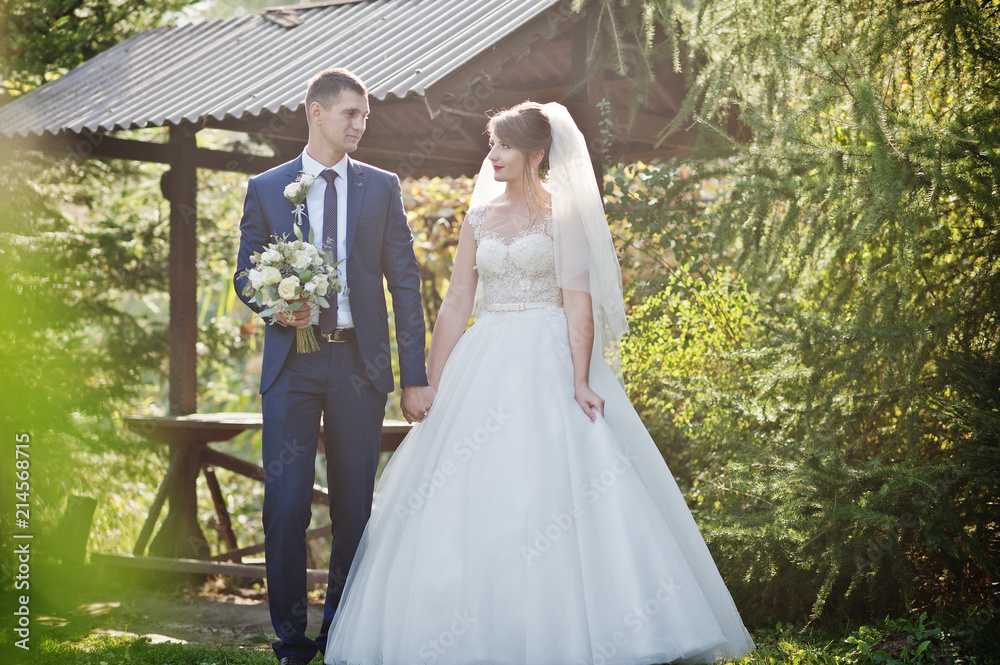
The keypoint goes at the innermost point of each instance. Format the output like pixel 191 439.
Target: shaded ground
pixel 189 611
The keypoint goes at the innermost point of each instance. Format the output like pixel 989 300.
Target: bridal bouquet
pixel 289 275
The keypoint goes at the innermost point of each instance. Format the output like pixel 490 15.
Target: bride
pixel 529 519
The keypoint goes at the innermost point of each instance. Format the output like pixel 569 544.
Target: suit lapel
pixel 356 186
pixel 286 222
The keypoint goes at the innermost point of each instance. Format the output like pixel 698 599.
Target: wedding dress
pixel 510 529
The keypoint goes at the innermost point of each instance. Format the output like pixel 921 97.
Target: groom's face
pixel 342 124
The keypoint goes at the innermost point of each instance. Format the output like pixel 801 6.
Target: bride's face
pixel 508 161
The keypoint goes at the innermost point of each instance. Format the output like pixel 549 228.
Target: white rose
pixel 256 280
pixel 306 181
pixel 288 288
pixel 319 285
pixel 272 255
pixel 300 259
pixel 270 275
pixel 292 190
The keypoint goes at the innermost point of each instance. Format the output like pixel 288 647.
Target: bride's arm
pixel 580 320
pixel 456 307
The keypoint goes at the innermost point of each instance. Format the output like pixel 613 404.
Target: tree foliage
pixel 44 38
pixel 841 440
pixel 82 256
pixel 435 208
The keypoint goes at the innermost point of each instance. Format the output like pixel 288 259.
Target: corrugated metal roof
pixel 245 67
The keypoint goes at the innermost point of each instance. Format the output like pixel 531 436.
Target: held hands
pixel 416 402
pixel 589 401
pixel 297 319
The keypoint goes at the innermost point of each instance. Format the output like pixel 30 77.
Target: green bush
pixel 816 305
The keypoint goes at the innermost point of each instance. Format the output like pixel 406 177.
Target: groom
pixel 359 209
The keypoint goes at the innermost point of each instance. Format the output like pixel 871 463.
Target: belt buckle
pixel 337 335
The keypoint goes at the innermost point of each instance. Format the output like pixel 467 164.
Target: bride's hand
pixel 416 402
pixel 589 401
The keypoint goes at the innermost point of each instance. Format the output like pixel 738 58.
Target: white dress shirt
pixel 314 208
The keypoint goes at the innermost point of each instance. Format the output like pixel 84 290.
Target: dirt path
pixel 212 614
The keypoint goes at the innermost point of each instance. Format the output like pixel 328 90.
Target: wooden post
pixel 181 189
pixel 181 536
pixel 154 511
pixel 221 511
pixel 74 529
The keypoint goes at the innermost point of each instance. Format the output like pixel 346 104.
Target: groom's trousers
pixel 330 383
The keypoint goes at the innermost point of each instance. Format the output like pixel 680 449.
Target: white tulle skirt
pixel 508 528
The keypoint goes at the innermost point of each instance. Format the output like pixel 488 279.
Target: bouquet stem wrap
pixel 305 340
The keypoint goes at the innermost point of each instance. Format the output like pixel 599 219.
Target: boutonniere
pixel 296 191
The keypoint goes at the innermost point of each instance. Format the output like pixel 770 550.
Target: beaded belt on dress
pixel 518 306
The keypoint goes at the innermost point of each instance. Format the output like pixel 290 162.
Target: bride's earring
pixel 532 195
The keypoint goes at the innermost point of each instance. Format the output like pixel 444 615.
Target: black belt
pixel 337 335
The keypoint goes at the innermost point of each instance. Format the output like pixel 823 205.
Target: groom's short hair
pixel 326 86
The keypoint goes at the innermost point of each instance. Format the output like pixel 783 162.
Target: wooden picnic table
pixel 189 438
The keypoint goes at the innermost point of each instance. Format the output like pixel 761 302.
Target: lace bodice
pixel 520 269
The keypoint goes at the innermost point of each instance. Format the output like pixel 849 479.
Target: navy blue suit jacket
pixel 379 245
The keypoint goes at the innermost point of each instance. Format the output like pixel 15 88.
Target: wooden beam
pixel 104 146
pixel 284 126
pixel 182 194
pixel 556 91
pixel 235 162
pixel 254 471
pixel 194 566
pixel 645 127
pixel 221 511
pixel 311 534
pixel 664 92
pixel 413 157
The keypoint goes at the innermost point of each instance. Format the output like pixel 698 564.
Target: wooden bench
pixel 180 544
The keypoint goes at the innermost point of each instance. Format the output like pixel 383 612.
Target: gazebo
pixel 433 67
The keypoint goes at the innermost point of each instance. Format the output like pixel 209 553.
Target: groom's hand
pixel 300 317
pixel 416 402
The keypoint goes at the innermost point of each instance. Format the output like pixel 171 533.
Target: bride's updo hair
pixel 525 127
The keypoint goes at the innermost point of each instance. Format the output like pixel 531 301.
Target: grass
pixel 106 621
pixel 904 642
pixel 113 650
pixel 919 640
